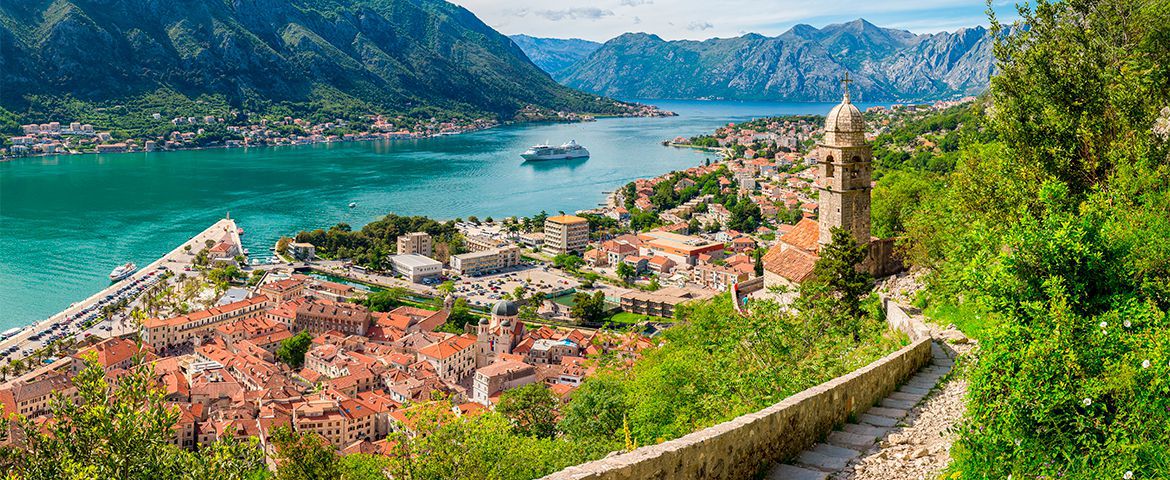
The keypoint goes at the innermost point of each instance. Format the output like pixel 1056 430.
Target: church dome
pixel 505 308
pixel 483 321
pixel 845 126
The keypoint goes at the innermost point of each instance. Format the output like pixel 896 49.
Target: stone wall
pixel 745 446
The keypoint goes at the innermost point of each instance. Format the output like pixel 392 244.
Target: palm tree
pixel 4 371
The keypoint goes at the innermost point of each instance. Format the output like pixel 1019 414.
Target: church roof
pixel 845 126
pixel 804 235
pixel 505 308
pixel 794 264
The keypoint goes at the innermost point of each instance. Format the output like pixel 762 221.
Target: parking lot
pixel 73 323
pixel 486 290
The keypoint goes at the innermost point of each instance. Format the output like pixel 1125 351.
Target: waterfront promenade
pixel 174 261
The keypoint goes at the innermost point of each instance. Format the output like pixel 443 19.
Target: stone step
pixel 921 384
pixel 852 440
pixel 792 472
pixel 909 397
pixel 914 390
pixel 928 379
pixel 902 404
pixel 865 429
pixel 877 421
pixel 819 461
pixel 943 362
pixel 894 413
pixel 835 451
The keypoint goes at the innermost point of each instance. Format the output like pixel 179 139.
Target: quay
pixel 174 262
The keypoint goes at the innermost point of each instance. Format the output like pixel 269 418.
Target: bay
pixel 66 221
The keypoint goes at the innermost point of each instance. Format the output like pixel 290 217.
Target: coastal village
pixel 208 131
pixel 750 224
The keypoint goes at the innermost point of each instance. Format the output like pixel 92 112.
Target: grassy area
pixel 633 318
pixel 970 320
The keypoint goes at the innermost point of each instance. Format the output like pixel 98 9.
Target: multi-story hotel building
pixel 475 263
pixel 565 233
pixel 417 243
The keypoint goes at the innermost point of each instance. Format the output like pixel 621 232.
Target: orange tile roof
pixel 447 348
pixel 211 312
pixel 804 235
pixel 792 263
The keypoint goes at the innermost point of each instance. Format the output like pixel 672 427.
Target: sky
pixel 600 20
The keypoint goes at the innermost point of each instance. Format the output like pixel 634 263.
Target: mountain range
pixel 380 55
pixel 554 54
pixel 803 64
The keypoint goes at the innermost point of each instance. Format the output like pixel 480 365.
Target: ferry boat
pixel 545 151
pixel 123 271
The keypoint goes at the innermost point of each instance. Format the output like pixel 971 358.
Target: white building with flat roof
pixel 416 267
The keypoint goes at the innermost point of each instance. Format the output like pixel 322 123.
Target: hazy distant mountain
pixel 347 54
pixel 554 54
pixel 802 64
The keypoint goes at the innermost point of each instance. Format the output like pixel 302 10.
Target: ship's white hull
pixel 536 157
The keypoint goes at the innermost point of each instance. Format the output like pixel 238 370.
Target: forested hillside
pixel 62 59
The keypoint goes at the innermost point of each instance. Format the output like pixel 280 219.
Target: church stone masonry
pixel 845 171
pixel 844 182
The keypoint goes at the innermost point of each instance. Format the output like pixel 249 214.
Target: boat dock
pixel 175 261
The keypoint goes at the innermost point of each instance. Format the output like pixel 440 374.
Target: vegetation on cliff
pixel 1049 218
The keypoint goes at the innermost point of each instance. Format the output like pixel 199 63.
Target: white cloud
pixel 601 20
pixel 581 13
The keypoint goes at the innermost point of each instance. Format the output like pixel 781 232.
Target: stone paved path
pixel 855 444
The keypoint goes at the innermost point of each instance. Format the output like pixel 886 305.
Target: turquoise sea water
pixel 66 221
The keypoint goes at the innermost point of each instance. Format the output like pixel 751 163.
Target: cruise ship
pixel 567 151
pixel 123 271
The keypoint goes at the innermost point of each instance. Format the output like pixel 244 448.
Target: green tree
pixel 304 456
pixel 121 431
pixel 588 308
pixel 568 261
pixel 532 409
pixel 838 283
pixel 360 466
pixel 387 300
pixel 625 271
pixel 292 350
pixel 596 412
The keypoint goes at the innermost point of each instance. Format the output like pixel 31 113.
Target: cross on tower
pixel 845 82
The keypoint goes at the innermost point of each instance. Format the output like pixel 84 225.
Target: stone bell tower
pixel 844 160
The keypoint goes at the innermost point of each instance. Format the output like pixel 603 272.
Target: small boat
pixel 240 231
pixel 123 271
pixel 352 204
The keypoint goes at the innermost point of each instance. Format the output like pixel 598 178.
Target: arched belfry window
pixel 829 167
